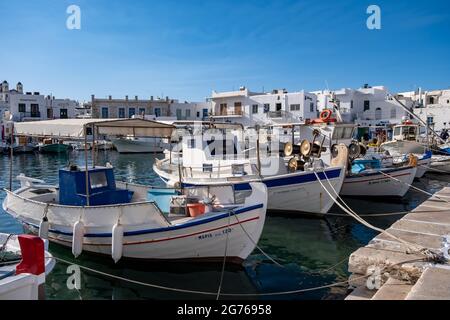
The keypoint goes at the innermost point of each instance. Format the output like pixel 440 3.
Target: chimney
pixel 92 97
pixel 167 98
pixel 110 97
pixel 151 98
pixel 136 98
pixel 126 98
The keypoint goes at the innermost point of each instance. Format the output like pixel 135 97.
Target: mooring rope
pixel 224 258
pixel 416 248
pixel 413 187
pixel 209 293
pixel 434 169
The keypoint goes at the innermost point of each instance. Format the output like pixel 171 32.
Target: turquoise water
pixel 307 248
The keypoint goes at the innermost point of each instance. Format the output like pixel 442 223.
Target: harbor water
pixel 312 252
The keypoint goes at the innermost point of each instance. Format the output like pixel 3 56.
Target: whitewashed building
pixel 250 108
pixel 366 106
pixel 432 107
pixel 34 106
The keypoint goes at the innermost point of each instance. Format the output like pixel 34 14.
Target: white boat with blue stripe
pixel 138 222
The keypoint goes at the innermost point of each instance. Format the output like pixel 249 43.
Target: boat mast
pixel 11 150
pixel 86 165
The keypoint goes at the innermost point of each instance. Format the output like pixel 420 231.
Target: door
pixel 63 114
pixel 35 111
pixel 238 108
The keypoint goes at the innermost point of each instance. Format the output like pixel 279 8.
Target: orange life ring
pixel 325 115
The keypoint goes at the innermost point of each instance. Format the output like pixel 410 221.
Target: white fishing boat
pixel 132 144
pixel 123 223
pixel 406 139
pixel 292 182
pixel 89 211
pixel 104 145
pixel 367 178
pixel 24 264
pixel 440 164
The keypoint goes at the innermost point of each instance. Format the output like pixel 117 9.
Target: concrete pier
pixel 394 273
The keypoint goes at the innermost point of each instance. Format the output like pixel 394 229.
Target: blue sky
pixel 185 49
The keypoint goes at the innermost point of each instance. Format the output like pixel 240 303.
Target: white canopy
pixel 74 128
pixel 61 128
pixel 135 127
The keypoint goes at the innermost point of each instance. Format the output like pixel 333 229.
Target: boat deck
pixel 427 226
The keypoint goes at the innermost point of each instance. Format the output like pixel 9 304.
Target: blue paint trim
pixel 283 181
pixel 171 228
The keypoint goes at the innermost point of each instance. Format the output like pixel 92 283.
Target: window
pixel 311 106
pixel 366 105
pixel 254 108
pixel 22 107
pixel 141 111
pixel 430 120
pixel 295 107
pixel 121 113
pixel 178 114
pixel 35 111
pixel 158 112
pixel 49 113
pixel 266 108
pixel 188 113
pixel 191 143
pixel 198 114
pixel 105 113
pixel 98 180
pixel 205 113
pixel 278 106
pixel 351 104
pixel 131 112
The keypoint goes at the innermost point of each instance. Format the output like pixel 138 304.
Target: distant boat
pixel 130 144
pixel 48 146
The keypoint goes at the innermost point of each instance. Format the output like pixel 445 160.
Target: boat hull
pixel 404 147
pixel 294 192
pixel 138 146
pixel 54 148
pixel 375 184
pixel 202 238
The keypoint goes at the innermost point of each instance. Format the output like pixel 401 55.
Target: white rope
pixel 434 169
pixel 416 248
pixel 413 187
pixel 224 258
pixel 207 293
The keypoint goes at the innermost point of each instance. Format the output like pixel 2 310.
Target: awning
pixel 60 128
pixel 135 127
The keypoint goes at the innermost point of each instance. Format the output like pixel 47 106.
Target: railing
pixel 30 115
pixel 225 113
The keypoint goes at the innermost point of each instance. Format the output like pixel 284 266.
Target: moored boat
pixel 121 222
pixel 24 264
pixel 131 144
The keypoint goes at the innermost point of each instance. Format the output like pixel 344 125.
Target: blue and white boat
pixel 292 183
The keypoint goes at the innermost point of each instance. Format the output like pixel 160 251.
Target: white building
pixel 432 107
pixel 367 106
pixel 33 106
pixel 159 108
pixel 250 108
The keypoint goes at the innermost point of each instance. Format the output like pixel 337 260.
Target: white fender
pixel 77 239
pixel 43 228
pixel 117 242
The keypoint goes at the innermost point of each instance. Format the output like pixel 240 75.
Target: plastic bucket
pixel 196 209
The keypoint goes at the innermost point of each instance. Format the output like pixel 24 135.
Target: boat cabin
pixel 406 132
pixel 101 187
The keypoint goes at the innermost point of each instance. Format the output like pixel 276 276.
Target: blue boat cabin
pixel 102 187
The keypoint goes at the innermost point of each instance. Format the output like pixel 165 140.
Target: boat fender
pixel 43 228
pixel 77 239
pixel 413 160
pixel 117 242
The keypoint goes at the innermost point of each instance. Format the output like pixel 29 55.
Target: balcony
pixel 29 115
pixel 228 114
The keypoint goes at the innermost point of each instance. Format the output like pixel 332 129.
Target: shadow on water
pixel 312 251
